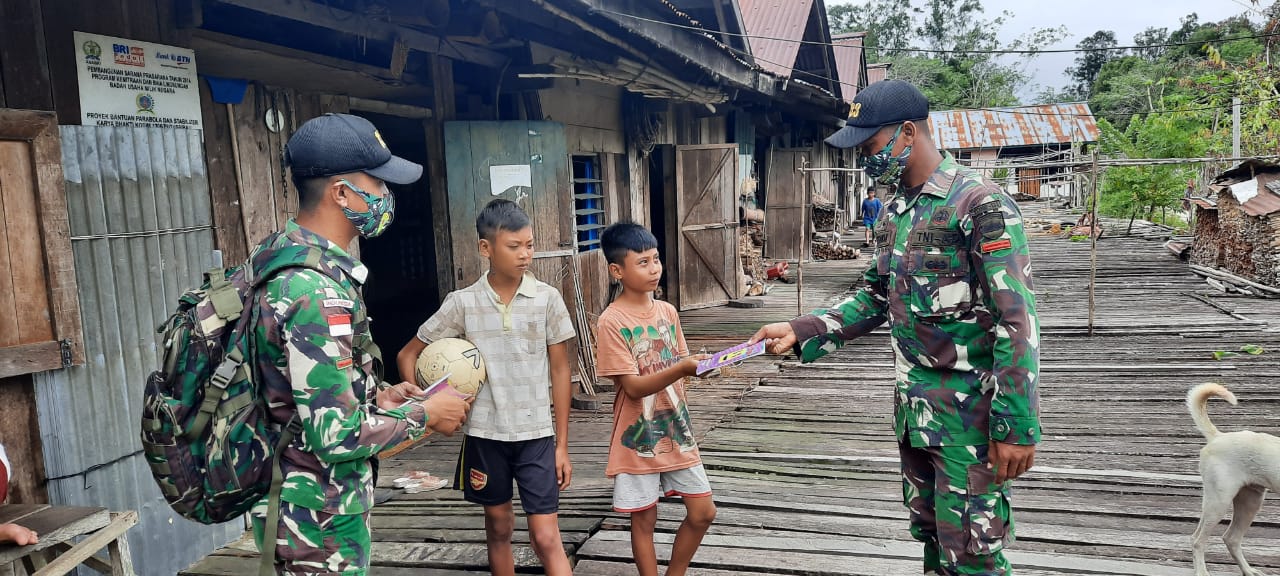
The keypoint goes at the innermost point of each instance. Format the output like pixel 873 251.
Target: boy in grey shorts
pixel 652 453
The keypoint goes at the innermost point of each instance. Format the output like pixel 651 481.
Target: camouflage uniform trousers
pixel 957 510
pixel 315 543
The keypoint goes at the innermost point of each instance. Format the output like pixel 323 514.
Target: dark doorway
pixel 661 176
pixel 402 289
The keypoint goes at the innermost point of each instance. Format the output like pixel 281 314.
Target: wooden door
pixel 784 204
pixel 707 258
pixel 39 313
pixel 1029 181
pixel 472 151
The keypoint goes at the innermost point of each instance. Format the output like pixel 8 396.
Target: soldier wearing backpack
pixel 316 358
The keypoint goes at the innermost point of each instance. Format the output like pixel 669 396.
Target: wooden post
pixel 1093 243
pixel 804 222
pixel 443 109
pixel 249 241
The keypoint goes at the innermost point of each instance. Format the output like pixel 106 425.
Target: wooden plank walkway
pixel 804 465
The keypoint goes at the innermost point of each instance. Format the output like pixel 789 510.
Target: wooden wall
pixel 36 73
pixel 259 197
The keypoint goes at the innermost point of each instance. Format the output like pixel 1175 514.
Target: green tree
pixel 888 24
pixel 1150 43
pixel 959 73
pixel 1098 50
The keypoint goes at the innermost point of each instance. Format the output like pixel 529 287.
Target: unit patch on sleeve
pixel 990 224
pixel 989 247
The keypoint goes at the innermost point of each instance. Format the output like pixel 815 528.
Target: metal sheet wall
pixel 141 227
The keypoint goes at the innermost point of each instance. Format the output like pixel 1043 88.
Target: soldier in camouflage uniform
pixel 317 359
pixel 952 276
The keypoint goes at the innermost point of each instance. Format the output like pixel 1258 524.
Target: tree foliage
pixel 953 75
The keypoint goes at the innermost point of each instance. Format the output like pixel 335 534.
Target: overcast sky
pixel 1084 17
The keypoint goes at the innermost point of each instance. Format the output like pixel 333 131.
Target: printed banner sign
pixel 130 83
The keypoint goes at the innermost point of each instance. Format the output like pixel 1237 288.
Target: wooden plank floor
pixel 804 465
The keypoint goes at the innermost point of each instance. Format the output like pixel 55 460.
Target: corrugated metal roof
pixel 1205 203
pixel 1011 127
pixel 141 226
pixel 848 51
pixel 1267 200
pixel 877 72
pixel 1262 205
pixel 783 22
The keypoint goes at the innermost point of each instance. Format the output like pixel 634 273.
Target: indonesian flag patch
pixel 478 479
pixel 339 325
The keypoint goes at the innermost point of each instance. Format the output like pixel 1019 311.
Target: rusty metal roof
pixel 1261 199
pixel 877 72
pixel 848 51
pixel 1012 127
pixel 1205 203
pixel 784 20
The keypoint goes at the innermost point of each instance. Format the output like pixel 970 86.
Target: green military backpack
pixel 206 433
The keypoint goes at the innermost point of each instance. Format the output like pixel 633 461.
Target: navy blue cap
pixel 884 103
pixel 341 144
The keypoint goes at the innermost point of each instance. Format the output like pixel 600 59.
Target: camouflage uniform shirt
pixel 952 275
pixel 304 345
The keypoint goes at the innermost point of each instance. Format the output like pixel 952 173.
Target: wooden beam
pixel 697 50
pixel 89 546
pixel 23 59
pixel 29 358
pixel 390 108
pixel 359 25
pixel 235 57
pixel 721 21
pixel 444 110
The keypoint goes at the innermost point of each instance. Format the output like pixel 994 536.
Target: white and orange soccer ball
pixel 455 357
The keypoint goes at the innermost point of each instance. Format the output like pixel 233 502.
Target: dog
pixel 1237 469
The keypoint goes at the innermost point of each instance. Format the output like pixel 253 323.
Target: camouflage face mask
pixel 885 168
pixel 378 217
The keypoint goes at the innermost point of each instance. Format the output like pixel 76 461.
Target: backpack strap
pixel 267 566
pixel 226 301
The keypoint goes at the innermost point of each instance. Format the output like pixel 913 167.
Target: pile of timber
pixel 1229 283
pixel 827 251
pixel 825 216
pixel 828 246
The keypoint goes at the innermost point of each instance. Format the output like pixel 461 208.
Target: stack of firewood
pixel 824 217
pixel 826 251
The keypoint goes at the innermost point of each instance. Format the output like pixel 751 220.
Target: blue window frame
pixel 588 202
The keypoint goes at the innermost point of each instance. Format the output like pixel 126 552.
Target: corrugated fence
pixel 141 227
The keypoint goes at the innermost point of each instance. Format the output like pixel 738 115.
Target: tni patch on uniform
pixel 990 225
pixel 478 479
pixel 941 217
pixel 989 247
pixel 344 363
pixel 937 262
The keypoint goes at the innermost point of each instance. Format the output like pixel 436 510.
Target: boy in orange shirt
pixel 652 452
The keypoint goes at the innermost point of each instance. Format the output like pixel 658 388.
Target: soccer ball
pixel 457 358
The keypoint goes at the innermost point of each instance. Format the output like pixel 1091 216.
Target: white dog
pixel 1237 469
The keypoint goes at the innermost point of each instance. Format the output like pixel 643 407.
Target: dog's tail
pixel 1197 403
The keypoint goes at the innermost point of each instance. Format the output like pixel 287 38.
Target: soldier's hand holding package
pixel 445 412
